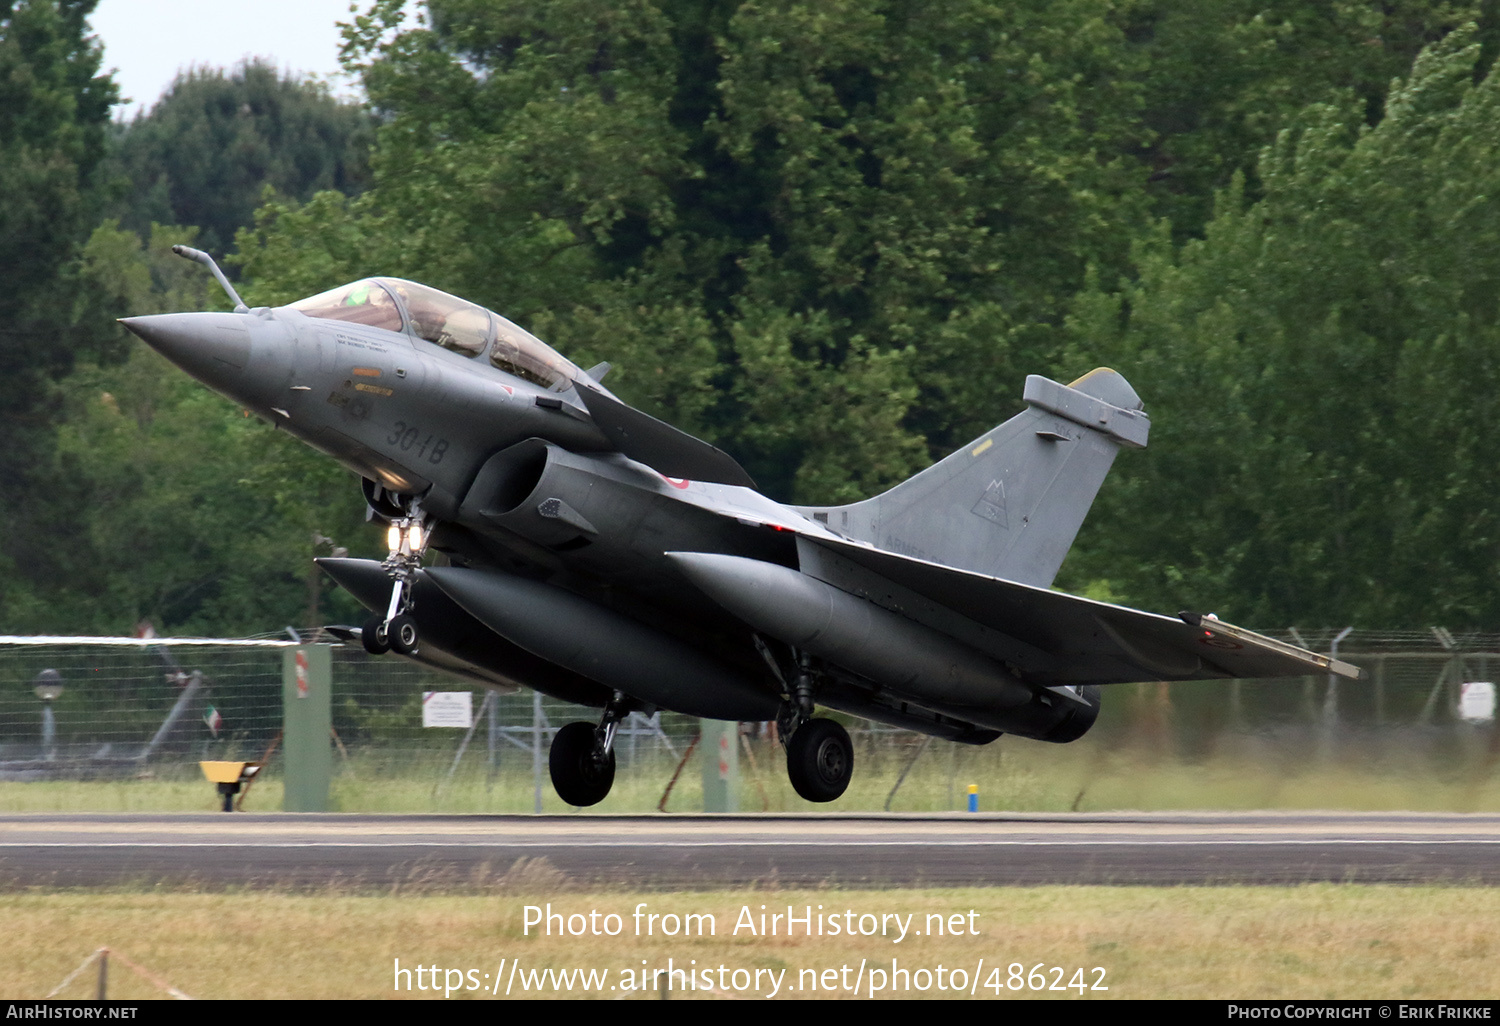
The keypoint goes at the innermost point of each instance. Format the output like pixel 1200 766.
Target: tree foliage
pixel 206 151
pixel 54 106
pixel 1322 374
pixel 199 518
pixel 1222 78
pixel 136 494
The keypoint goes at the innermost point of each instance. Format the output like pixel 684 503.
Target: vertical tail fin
pixel 1010 503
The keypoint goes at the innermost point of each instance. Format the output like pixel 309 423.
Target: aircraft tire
pixel 576 777
pixel 373 636
pixel 820 760
pixel 402 634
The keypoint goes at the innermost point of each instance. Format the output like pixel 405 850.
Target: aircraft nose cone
pixel 212 347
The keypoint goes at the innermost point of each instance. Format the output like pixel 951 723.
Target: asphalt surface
pixel 316 850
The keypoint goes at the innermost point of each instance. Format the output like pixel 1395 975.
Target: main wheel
pixel 820 760
pixel 401 632
pixel 577 777
pixel 372 635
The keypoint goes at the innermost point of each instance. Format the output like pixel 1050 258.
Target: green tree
pixel 1322 374
pixel 54 107
pixel 198 518
pixel 206 151
pixel 1222 77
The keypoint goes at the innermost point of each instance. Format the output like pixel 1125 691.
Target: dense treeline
pixel 833 238
pixel 205 153
pixel 1324 367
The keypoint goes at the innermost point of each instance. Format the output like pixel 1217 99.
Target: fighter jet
pixel 545 534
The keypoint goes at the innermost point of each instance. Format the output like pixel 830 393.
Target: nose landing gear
pixel 397 630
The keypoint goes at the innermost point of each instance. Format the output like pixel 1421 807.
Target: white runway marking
pixel 1163 842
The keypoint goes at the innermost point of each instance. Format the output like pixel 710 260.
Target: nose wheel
pixel 820 760
pixel 373 636
pixel 402 634
pixel 399 634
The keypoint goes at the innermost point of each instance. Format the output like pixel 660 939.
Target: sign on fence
pixel 447 709
pixel 1476 701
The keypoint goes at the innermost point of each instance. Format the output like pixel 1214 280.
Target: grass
pixel 1316 941
pixel 1090 775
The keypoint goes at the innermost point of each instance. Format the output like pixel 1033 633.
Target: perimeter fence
pixel 130 710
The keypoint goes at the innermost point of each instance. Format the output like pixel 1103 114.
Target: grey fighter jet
pixel 543 533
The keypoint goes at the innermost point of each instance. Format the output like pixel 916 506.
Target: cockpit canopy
pixel 447 321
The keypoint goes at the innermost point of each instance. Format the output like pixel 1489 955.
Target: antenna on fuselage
pixel 189 253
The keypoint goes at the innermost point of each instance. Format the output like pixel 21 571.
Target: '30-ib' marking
pixel 406 438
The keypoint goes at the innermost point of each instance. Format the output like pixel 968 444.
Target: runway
pixel 659 852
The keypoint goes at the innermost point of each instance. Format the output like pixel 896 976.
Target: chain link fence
pixel 125 705
pixel 127 710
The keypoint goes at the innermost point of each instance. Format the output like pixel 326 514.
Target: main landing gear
pixel 820 760
pixel 582 759
pixel 397 630
pixel 819 754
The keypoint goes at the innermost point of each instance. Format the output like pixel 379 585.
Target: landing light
pixel 404 537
